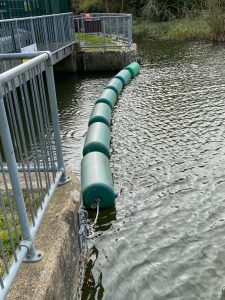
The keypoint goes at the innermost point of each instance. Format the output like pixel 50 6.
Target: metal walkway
pixel 53 33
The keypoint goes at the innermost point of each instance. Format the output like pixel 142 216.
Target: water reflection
pixel 93 287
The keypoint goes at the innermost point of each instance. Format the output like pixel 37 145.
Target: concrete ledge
pixel 95 59
pixel 109 60
pixel 56 276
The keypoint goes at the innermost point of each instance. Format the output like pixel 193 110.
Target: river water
pixel 165 237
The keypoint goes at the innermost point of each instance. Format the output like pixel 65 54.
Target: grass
pixel 4 233
pixel 3 228
pixel 182 29
pixel 88 39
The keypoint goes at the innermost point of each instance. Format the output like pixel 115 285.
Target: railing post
pixel 103 19
pixel 18 36
pixel 55 119
pixel 72 29
pixel 32 31
pixel 32 254
pixel 130 25
pixel 55 30
pixel 46 34
pixel 63 24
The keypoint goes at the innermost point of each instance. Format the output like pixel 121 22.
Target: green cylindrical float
pixel 109 97
pixel 133 68
pixel 124 76
pixel 97 139
pixel 116 85
pixel 96 181
pixel 101 113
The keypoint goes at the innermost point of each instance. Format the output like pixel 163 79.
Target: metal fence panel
pixel 49 32
pixel 31 161
pixel 103 30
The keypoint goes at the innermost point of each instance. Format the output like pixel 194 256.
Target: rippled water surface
pixel 165 237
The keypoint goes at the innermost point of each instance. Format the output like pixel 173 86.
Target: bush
pixel 96 6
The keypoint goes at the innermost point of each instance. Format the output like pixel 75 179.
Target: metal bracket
pixel 64 180
pixel 33 258
pixel 33 255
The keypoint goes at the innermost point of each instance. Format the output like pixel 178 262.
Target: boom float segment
pixel 124 76
pixel 116 85
pixel 133 68
pixel 96 181
pixel 97 139
pixel 101 113
pixel 109 97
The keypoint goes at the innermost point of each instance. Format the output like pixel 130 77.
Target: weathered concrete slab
pixel 56 276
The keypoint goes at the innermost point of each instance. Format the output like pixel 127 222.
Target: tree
pixel 108 6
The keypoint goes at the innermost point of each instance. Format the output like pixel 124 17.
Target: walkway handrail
pixel 31 161
pixel 35 17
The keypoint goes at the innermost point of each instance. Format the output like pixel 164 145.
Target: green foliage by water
pixel 215 18
pixel 88 39
pixel 182 29
pixel 175 19
pixel 13 222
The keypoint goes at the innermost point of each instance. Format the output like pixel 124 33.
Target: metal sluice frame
pixel 104 30
pixel 31 160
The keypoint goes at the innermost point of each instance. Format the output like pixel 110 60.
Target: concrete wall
pixel 98 60
pixel 56 276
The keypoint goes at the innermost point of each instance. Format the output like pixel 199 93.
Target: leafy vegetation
pixel 179 29
pixel 14 225
pixel 179 19
pixel 96 40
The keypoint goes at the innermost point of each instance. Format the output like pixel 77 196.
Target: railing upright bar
pixel 46 34
pixel 130 21
pixel 18 36
pixel 32 31
pixel 13 173
pixel 55 31
pixel 54 114
pixel 103 19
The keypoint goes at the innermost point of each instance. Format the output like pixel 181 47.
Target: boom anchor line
pixel 86 231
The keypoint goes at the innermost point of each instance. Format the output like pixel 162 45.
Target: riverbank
pixel 181 29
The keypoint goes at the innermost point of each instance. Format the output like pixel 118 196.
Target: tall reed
pixel 215 17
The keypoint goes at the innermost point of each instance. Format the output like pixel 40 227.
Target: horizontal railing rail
pixel 103 30
pixel 31 160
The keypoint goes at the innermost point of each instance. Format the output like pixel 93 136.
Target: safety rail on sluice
pixel 103 30
pixel 31 161
pixel 41 33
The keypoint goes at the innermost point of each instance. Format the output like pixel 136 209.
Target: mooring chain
pixel 91 232
pixel 85 232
